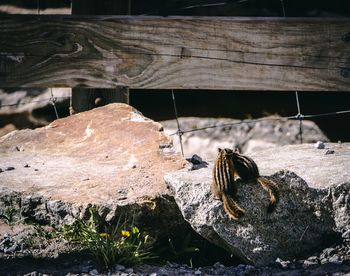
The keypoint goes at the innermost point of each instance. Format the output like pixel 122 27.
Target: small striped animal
pixel 223 185
pixel 230 163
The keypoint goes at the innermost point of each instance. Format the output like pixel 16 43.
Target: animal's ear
pixel 219 149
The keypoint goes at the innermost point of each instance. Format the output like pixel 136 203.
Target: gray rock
pixel 23 105
pixel 129 270
pixel 316 168
pixel 341 204
pixel 301 223
pixel 335 260
pixel 284 264
pixel 310 262
pixel 119 267
pixel 247 135
pixel 319 145
pixel 93 272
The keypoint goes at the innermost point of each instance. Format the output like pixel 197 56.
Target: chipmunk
pixel 230 163
pixel 223 186
pixel 247 170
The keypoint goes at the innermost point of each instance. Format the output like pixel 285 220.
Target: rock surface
pixel 109 157
pixel 31 107
pixel 315 166
pixel 7 129
pixel 304 221
pixel 248 136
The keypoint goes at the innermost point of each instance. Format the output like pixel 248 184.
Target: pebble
pixel 10 168
pixel 129 270
pixel 93 272
pixel 329 152
pixel 1 170
pixel 283 264
pixel 328 251
pixel 330 261
pixel 195 159
pixel 119 267
pixel 346 234
pixel 308 263
pixel 319 145
pixel 335 260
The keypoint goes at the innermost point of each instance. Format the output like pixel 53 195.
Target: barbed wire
pixel 177 122
pixel 250 121
pixel 299 116
pixel 47 100
pixel 53 102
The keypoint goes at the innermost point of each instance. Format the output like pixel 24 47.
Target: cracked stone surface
pixel 110 157
pixel 314 206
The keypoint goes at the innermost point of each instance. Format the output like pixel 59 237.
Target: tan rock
pixel 108 156
pixel 7 129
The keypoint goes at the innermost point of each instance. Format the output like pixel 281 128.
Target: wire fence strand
pixel 53 102
pixel 251 121
pixel 47 100
pixel 179 132
pixel 300 117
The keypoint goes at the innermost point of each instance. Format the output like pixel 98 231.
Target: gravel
pixel 331 261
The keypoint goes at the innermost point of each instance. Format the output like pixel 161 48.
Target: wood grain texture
pixel 175 52
pixel 85 99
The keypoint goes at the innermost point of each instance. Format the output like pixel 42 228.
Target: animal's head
pixel 227 153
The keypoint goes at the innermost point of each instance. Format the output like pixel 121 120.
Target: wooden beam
pixel 86 99
pixel 175 52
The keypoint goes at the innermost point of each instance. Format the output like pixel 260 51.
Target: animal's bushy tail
pixel 231 207
pixel 273 190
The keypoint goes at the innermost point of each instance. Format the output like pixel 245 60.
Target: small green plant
pixel 8 216
pixel 40 237
pixel 110 244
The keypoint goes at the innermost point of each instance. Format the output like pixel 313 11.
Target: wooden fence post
pixel 85 99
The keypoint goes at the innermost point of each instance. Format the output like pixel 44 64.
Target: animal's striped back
pixel 245 166
pixel 224 171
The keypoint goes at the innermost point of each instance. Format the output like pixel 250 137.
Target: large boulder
pixel 314 205
pixel 249 136
pixel 110 157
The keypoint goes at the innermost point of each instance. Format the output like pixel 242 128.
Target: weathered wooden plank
pixel 175 52
pixel 85 99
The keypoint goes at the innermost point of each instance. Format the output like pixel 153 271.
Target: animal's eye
pixel 219 149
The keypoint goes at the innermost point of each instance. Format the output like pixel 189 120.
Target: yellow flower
pixel 104 235
pixel 125 233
